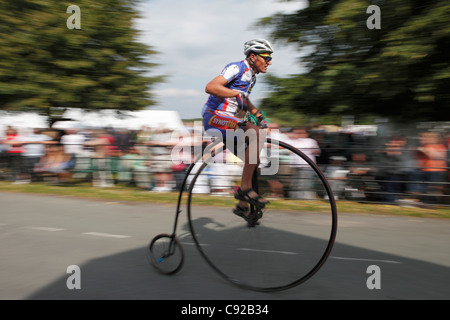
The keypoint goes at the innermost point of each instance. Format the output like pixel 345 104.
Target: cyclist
pixel 223 111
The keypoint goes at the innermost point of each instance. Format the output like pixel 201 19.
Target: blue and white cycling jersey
pixel 240 77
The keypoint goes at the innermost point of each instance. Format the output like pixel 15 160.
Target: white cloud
pixel 197 38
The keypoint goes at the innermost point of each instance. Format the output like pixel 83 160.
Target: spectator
pixel 14 153
pixel 3 159
pixel 33 150
pixel 102 176
pixel 56 163
pixel 279 182
pixel 134 169
pixel 433 161
pixel 336 174
pixel 124 140
pixel 181 157
pixel 360 172
pixel 161 145
pixel 393 166
pixel 113 152
pixel 303 176
pixel 73 142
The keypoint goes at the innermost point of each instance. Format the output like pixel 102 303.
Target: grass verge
pixel 129 194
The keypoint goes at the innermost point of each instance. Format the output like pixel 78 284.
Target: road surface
pixel 42 236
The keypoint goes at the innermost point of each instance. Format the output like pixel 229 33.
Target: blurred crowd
pixel 406 170
pixel 401 169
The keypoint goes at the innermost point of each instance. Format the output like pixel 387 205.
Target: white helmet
pixel 257 46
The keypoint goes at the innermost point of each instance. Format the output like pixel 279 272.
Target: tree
pixel 400 71
pixel 45 65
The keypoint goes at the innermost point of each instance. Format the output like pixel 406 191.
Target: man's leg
pixel 256 138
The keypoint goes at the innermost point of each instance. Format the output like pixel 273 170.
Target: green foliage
pixel 44 65
pixel 401 71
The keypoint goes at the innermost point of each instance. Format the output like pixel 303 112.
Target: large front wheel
pixel 291 241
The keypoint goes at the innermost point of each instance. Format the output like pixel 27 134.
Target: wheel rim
pixel 161 259
pixel 313 269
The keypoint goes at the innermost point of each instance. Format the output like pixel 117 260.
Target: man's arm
pixel 252 109
pixel 217 88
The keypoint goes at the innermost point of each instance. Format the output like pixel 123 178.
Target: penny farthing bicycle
pixel 281 246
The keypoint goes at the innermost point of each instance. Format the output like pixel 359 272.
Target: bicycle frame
pixel 188 171
pixel 186 176
pixel 198 165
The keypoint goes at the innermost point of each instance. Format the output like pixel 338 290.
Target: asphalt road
pixel 42 236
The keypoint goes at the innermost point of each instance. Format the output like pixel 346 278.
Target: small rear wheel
pixel 166 254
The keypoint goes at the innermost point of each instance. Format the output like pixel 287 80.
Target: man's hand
pixel 262 122
pixel 242 101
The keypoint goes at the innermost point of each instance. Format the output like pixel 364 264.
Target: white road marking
pixel 44 229
pixel 295 253
pixel 188 243
pixel 193 244
pixel 107 235
pixel 119 236
pixel 267 251
pixel 367 260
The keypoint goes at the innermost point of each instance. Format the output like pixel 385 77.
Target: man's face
pixel 262 61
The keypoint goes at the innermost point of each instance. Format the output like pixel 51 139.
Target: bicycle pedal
pixel 252 224
pixel 253 219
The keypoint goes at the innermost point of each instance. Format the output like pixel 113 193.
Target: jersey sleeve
pixel 230 72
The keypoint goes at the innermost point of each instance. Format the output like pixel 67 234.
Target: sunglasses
pixel 266 57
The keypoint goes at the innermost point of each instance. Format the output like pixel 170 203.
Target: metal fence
pixel 356 173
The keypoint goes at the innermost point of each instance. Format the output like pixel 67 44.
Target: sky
pixel 197 38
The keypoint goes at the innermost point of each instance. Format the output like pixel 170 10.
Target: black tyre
pixel 166 254
pixel 292 239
